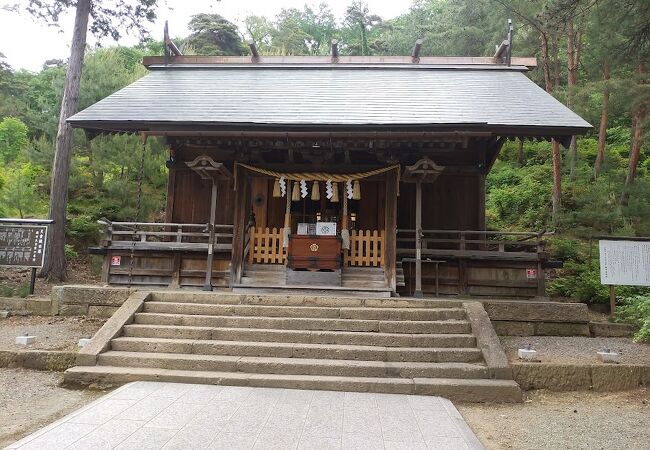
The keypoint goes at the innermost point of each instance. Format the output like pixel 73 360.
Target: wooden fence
pixel 265 247
pixel 366 248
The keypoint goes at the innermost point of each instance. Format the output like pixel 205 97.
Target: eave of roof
pixel 341 61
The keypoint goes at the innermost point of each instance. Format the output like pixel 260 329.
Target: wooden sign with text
pixel 22 245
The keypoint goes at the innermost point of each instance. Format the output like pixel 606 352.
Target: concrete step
pixel 288 323
pixel 306 311
pixel 301 336
pixel 462 390
pixel 292 350
pixel 220 298
pixel 293 366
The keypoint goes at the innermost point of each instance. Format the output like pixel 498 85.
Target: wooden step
pixel 462 390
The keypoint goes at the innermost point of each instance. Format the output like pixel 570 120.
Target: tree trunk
pixel 604 119
pixel 55 267
pixel 573 55
pixel 557 159
pixel 557 181
pixel 548 81
pixel 520 153
pixel 556 59
pixel 639 116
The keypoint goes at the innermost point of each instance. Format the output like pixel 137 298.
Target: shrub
pixel 636 310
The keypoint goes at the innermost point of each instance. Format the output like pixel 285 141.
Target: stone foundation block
pixel 90 295
pixel 606 329
pixel 102 312
pixel 537 311
pixel 554 377
pixel 510 328
pixel 73 310
pixel 562 329
pixel 618 377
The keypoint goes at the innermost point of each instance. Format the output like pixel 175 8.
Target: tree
pixel 214 35
pixel 13 138
pixel 543 22
pixel 108 17
pixel 358 23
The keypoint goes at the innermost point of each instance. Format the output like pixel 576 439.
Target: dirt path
pixel 564 420
pixel 30 400
pixel 52 332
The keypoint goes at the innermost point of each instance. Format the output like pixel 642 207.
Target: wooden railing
pixel 366 248
pixel 473 244
pixel 264 245
pixel 165 236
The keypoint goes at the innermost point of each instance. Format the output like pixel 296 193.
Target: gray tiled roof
pixel 325 96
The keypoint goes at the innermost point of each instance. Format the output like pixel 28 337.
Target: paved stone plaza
pixel 149 415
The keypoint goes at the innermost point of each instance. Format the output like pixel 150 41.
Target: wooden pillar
pixel 481 202
pixel 418 239
pixel 239 227
pixel 390 223
pixel 207 286
pixel 171 185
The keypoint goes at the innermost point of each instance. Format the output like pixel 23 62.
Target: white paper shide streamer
pixel 329 190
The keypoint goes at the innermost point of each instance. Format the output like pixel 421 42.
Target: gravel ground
pixel 79 272
pixel 30 400
pixel 577 350
pixel 52 333
pixel 564 420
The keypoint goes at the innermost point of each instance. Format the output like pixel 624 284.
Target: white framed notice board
pixel 625 263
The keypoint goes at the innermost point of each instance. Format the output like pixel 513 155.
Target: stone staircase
pixel 377 345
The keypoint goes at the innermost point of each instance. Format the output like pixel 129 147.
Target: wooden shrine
pixel 391 153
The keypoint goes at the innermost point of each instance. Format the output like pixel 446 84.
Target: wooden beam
pixel 418 239
pixel 213 212
pixel 390 231
pixel 523 62
pixel 415 54
pixel 335 50
pixel 501 49
pixel 239 227
pixel 171 185
pixel 255 56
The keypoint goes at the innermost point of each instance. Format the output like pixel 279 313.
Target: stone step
pixel 361 292
pixel 220 298
pixel 301 336
pixel 306 311
pixel 292 350
pixel 462 390
pixel 288 323
pixel 292 366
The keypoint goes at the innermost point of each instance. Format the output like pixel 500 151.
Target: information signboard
pixel 22 245
pixel 625 263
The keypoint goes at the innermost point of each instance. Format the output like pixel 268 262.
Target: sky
pixel 27 44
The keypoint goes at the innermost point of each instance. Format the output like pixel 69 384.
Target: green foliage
pixel 13 138
pixel 70 252
pixel 19 193
pixel 214 35
pixel 636 310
